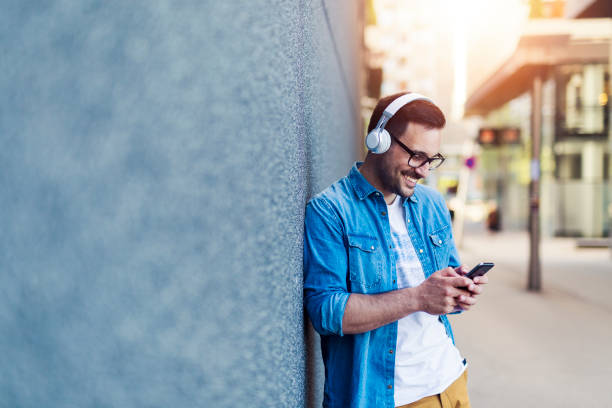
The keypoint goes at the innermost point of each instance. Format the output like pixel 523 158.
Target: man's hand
pixel 475 288
pixel 443 292
pixel 446 291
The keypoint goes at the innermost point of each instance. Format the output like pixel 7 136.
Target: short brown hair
pixel 419 111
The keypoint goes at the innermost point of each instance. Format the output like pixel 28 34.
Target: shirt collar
pixel 415 195
pixel 363 188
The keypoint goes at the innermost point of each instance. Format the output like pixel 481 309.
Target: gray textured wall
pixel 155 159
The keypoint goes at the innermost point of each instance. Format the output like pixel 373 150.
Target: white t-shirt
pixel 426 360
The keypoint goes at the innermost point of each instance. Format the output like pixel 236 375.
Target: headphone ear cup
pixel 384 142
pixel 378 141
pixel 372 141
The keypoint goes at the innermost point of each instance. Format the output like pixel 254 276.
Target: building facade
pixel 569 61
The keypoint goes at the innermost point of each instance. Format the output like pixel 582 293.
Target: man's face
pixel 394 172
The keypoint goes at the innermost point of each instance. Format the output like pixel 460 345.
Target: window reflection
pixel 582 100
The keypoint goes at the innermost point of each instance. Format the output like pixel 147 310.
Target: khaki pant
pixel 455 396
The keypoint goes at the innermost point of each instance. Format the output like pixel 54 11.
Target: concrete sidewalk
pixel 547 349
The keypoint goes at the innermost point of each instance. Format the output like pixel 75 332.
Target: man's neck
pixel 368 171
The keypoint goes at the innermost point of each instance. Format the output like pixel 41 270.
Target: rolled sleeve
pixel 325 268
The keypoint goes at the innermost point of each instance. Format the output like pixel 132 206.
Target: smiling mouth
pixel 411 181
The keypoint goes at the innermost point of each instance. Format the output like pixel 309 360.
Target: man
pixel 381 270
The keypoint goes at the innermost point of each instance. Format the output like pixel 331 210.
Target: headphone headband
pixel 396 105
pixel 379 140
pixel 404 100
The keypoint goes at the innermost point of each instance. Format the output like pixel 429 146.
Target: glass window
pixel 582 100
pixel 569 167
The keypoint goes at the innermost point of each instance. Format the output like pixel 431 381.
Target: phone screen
pixel 480 269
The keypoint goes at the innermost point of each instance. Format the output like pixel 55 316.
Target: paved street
pixel 548 349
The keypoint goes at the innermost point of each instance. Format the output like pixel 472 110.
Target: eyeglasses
pixel 418 159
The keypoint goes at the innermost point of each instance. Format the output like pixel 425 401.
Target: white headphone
pixel 379 140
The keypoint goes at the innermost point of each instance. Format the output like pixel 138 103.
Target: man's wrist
pixel 411 300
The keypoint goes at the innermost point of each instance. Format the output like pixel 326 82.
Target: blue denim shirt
pixel 347 243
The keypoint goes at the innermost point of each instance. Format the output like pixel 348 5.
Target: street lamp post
pixel 534 280
pixel 609 209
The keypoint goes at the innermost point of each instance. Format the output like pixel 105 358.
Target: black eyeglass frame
pixel 414 154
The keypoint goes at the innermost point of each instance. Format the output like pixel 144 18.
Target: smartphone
pixel 480 269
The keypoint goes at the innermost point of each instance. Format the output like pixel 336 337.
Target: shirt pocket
pixel 441 244
pixel 365 265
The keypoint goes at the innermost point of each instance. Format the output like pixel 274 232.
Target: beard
pixel 395 180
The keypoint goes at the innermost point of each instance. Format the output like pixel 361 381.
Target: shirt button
pixel 390 351
pixel 393 280
pixel 372 247
pixel 408 221
pixel 440 241
pixel 383 213
pixel 389 386
pixel 420 251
